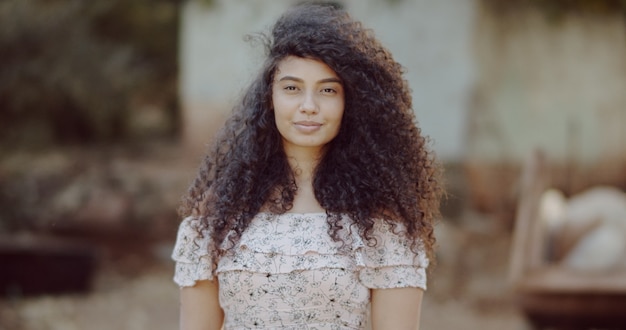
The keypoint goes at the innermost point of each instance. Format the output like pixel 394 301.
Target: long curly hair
pixel 379 166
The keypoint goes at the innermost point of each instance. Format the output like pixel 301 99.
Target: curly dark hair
pixel 379 166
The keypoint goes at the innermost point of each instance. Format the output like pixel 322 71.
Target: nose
pixel 309 104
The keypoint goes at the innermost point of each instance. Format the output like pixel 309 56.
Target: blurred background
pixel 106 107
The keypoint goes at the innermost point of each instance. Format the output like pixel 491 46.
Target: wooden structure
pixel 549 295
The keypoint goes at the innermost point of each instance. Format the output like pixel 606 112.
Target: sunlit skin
pixel 308 100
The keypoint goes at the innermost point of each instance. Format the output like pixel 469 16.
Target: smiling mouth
pixel 307 123
pixel 307 126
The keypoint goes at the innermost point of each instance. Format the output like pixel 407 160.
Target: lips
pixel 307 126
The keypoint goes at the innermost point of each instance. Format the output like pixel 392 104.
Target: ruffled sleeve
pixel 391 263
pixel 191 255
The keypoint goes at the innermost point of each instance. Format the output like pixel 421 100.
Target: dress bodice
pixel 286 271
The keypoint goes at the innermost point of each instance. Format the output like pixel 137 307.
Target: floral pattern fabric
pixel 286 272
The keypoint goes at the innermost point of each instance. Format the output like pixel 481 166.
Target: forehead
pixel 304 67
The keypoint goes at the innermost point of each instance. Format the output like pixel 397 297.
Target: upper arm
pixel 397 308
pixel 200 308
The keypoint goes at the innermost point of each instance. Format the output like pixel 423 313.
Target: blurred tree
pixel 71 68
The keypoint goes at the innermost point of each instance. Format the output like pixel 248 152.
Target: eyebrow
pixel 321 81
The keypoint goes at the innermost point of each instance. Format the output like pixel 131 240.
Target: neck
pixel 303 162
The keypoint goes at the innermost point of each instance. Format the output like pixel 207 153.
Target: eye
pixel 290 88
pixel 329 91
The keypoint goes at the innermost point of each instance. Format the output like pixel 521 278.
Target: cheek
pixel 281 118
pixel 277 107
pixel 337 117
pixel 279 113
pixel 281 105
pixel 340 110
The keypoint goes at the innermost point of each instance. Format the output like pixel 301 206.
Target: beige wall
pixel 558 85
pixel 555 84
pixel 215 61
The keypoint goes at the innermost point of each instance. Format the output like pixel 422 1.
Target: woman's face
pixel 308 100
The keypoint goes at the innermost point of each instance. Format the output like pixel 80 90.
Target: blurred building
pixel 432 39
pixel 490 84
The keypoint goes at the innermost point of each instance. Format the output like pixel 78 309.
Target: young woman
pixel 314 208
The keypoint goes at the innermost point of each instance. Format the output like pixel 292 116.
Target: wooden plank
pixel 527 249
pixel 557 279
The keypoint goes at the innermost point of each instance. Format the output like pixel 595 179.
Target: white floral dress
pixel 286 272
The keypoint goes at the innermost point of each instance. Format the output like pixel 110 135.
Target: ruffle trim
pixel 275 244
pixel 191 255
pixel 346 322
pixel 393 277
pixel 291 234
pixel 190 247
pixel 256 262
pixel 187 274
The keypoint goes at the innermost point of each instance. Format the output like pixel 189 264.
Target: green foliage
pixel 71 68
